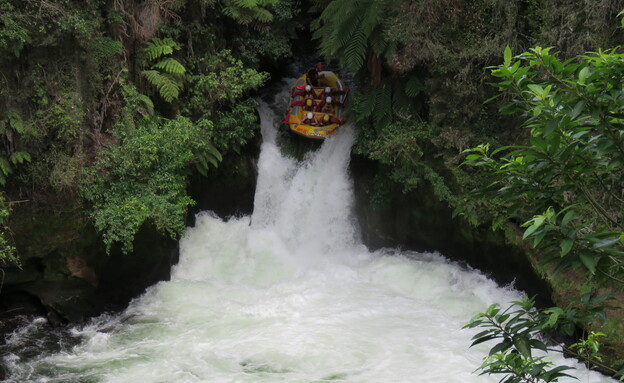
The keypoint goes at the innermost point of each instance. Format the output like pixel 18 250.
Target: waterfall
pixel 289 294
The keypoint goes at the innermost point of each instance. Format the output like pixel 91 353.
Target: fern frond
pixel 344 33
pixel 170 65
pixel 246 3
pixel 355 52
pixel 383 105
pixel 159 47
pixel 244 12
pixel 413 86
pixel 268 3
pixel 364 105
pixel 147 103
pixel 168 87
pixel 19 157
pixel 262 15
pixel 234 13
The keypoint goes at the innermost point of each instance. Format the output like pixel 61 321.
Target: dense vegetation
pixel 108 107
pixel 547 145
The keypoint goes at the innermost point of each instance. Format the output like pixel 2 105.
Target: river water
pixel 288 294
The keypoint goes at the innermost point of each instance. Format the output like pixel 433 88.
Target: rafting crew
pixel 318 119
pixel 327 105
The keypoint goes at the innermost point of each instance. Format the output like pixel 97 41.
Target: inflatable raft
pixel 317 103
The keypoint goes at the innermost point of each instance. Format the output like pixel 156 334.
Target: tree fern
pixel 170 65
pixel 159 47
pixel 168 87
pixel 383 105
pixel 349 29
pixel 249 11
pixel 148 104
pixel 166 73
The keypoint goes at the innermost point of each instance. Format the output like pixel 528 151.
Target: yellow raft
pixel 311 101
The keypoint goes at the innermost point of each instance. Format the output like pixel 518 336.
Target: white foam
pixel 288 295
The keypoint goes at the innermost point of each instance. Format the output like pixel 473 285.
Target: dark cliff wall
pixel 419 221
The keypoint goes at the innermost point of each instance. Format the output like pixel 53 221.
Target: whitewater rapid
pixel 288 294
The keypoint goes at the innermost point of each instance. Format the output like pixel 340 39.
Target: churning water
pixel 287 295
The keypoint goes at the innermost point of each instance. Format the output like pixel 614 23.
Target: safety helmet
pixel 328 100
pixel 326 118
pixel 308 88
pixel 327 90
pixel 320 67
pixel 309 102
pixel 309 115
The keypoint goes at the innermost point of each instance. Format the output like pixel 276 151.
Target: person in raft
pixel 329 119
pixel 301 90
pixel 312 74
pixel 308 104
pixel 313 120
pixel 327 105
pixel 335 92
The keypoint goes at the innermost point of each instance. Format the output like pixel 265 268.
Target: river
pixel 289 294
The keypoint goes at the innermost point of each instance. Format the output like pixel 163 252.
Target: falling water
pixel 289 294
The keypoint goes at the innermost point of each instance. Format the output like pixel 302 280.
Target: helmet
pixel 309 115
pixel 309 102
pixel 326 118
pixel 327 90
pixel 308 88
pixel 320 67
pixel 328 100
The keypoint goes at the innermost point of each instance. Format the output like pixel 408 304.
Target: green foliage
pixel 219 81
pixel 249 11
pixel 573 243
pixel 141 177
pixel 402 147
pixel 10 131
pixel 234 128
pixel 8 253
pixel 520 332
pixel 517 331
pixel 157 48
pixel 570 175
pixel 166 73
pixel 106 48
pixel 589 347
pixel 14 34
pixel 351 30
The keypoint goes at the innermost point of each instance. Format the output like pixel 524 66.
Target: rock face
pixel 66 287
pixel 66 275
pixel 419 221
